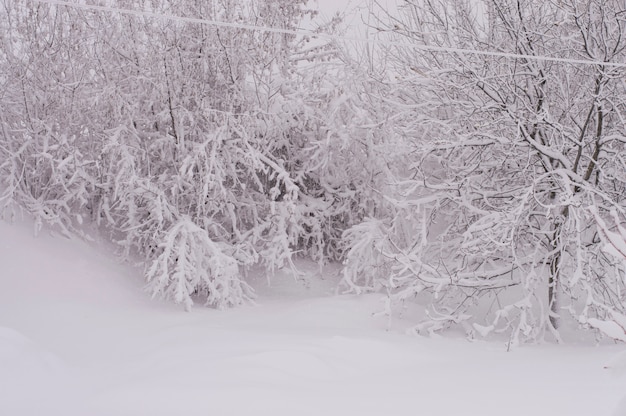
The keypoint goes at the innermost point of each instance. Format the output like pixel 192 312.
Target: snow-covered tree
pixel 514 141
pixel 46 116
pixel 194 146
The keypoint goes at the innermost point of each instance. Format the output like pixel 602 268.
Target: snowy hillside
pixel 79 337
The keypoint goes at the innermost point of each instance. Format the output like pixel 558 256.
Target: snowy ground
pixel 78 337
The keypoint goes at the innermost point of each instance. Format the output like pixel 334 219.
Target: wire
pixel 321 35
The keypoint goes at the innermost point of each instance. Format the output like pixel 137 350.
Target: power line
pixel 322 35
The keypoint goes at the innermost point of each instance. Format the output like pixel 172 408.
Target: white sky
pixel 330 7
pixel 355 12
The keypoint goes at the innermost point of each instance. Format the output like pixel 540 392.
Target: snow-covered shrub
pixel 187 262
pixel 366 265
pixel 609 319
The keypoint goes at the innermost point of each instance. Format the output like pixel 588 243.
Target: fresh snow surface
pixel 78 337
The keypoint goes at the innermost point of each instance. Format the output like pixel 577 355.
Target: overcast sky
pixel 355 12
pixel 329 7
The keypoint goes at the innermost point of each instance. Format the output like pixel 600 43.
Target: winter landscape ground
pixel 462 163
pixel 79 337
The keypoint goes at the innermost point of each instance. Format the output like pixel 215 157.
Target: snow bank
pixel 78 337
